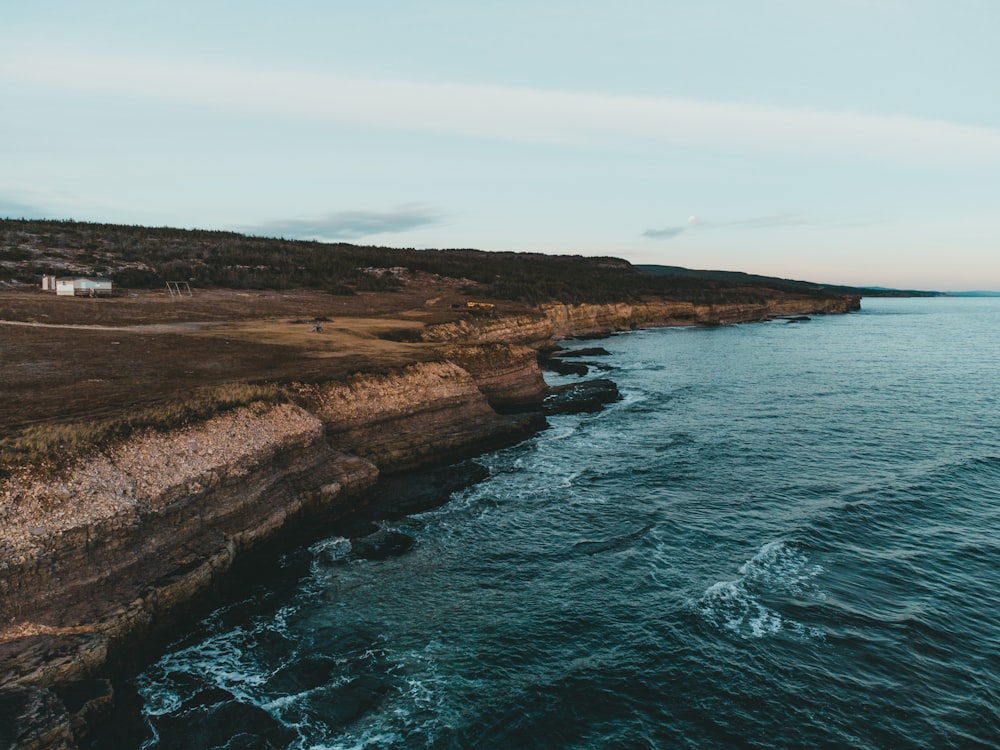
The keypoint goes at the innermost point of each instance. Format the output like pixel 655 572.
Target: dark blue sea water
pixel 785 535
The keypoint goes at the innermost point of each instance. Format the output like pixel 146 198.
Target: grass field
pixel 68 364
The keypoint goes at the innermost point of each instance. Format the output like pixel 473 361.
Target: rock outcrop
pixel 508 375
pixel 108 551
pixel 585 396
pixel 533 330
pixel 33 718
pixel 561 321
pixel 568 321
pixel 425 413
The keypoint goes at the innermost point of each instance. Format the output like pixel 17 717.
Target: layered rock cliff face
pixel 569 321
pixel 108 553
pixel 534 330
pixel 101 557
pixel 507 375
pixel 94 561
pixel 561 321
pixel 128 535
pixel 425 413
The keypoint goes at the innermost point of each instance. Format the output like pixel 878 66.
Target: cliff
pixel 561 321
pixel 96 560
pixel 113 546
pixel 569 321
pixel 507 375
pixel 426 413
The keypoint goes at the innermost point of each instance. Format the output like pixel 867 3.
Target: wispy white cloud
pixel 663 234
pixel 754 222
pixel 350 225
pixel 698 223
pixel 570 118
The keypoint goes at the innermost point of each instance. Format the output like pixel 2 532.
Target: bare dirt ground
pixel 87 358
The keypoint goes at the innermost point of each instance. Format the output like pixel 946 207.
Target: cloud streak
pixel 663 234
pixel 350 225
pixel 569 118
pixel 753 222
pixel 757 222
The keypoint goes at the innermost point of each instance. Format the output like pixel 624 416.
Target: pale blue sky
pixel 833 140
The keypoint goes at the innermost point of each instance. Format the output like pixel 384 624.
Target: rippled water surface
pixel 785 535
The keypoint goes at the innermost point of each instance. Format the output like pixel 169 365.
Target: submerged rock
pixel 345 703
pixel 417 491
pixel 381 545
pixel 302 675
pixel 586 396
pixel 221 726
pixel 593 351
pixel 565 368
pixel 556 361
pixel 207 697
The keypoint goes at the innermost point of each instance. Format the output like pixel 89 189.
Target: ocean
pixel 785 535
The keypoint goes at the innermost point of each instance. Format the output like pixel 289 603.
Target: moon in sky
pixel 692 219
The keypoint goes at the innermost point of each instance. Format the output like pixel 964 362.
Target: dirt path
pixel 143 328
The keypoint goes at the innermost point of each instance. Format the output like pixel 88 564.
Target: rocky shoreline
pixel 103 559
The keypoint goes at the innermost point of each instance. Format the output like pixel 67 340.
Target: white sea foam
pixel 562 433
pixel 730 605
pixel 282 618
pixel 643 366
pixel 630 397
pixel 333 549
pixel 418 708
pixel 737 606
pixel 569 479
pixel 218 661
pixel 365 741
pixel 781 567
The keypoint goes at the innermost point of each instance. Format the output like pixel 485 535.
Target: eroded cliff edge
pixel 555 321
pixel 93 562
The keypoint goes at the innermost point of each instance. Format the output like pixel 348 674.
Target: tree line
pixel 147 257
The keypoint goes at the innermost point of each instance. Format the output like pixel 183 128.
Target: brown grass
pixel 155 362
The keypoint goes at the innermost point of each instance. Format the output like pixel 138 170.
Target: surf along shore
pixel 154 444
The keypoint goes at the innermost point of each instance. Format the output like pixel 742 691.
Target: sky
pixel 839 141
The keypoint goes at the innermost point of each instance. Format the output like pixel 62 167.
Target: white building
pixel 82 286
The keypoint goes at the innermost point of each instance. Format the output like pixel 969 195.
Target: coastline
pixel 102 561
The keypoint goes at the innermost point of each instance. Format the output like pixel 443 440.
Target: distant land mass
pixel 739 277
pixel 138 257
